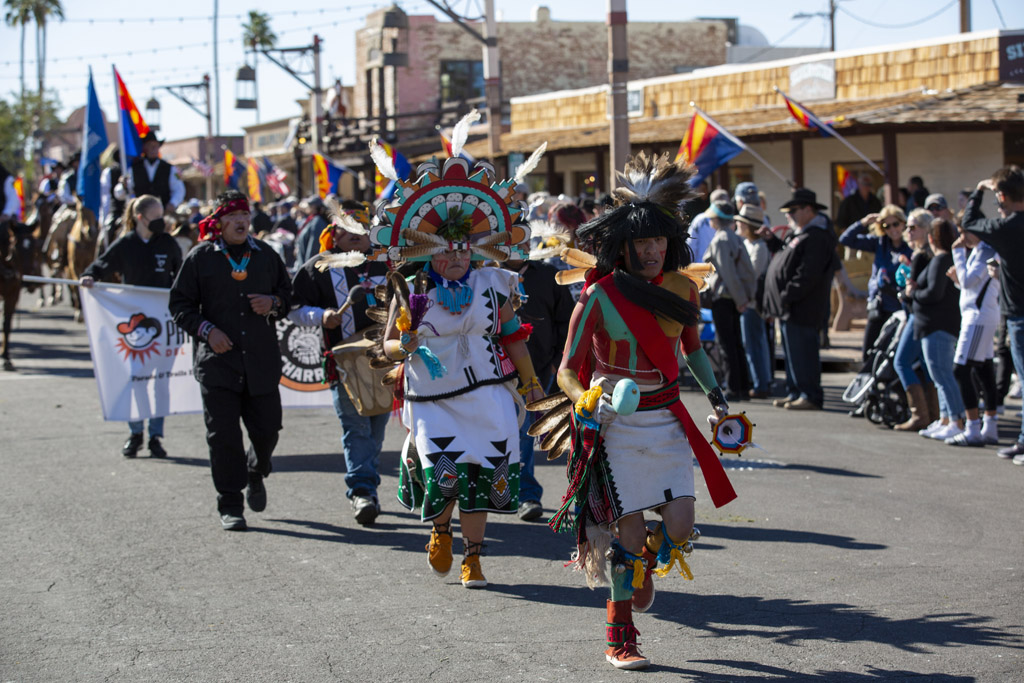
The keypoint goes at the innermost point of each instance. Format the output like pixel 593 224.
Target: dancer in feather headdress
pixel 637 307
pixel 333 290
pixel 459 345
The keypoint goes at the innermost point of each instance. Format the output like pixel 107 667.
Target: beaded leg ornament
pixel 671 553
pixel 628 571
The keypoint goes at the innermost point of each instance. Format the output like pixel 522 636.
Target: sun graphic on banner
pixel 138 338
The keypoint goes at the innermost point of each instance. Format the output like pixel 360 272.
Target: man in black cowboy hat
pixel 796 291
pixel 149 174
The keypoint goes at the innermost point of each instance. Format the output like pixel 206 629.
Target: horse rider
pixel 149 174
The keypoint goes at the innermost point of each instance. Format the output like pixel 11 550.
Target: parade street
pixel 853 553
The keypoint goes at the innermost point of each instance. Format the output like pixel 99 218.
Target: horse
pixel 55 246
pixel 82 242
pixel 19 255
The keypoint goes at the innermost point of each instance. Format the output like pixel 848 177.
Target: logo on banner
pixel 139 337
pixel 301 355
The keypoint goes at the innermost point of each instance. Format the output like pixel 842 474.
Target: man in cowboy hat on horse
pixel 149 174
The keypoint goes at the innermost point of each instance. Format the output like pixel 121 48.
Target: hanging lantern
pixel 153 114
pixel 245 88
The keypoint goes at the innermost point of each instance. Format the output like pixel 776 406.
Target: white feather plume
pixel 342 219
pixel 461 131
pixel 527 166
pixel 347 259
pixel 382 159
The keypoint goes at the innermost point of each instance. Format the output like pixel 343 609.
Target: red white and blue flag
pixel 845 180
pixel 202 167
pixel 275 177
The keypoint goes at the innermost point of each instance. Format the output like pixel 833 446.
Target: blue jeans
pixel 529 487
pixel 939 349
pixel 1015 333
pixel 361 440
pixel 800 343
pixel 755 346
pixel 156 426
pixel 908 352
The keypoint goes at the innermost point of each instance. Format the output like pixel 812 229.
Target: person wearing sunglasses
pixel 886 242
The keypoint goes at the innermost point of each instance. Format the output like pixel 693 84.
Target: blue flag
pixel 94 141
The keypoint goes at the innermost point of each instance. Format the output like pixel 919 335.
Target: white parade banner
pixel 143 361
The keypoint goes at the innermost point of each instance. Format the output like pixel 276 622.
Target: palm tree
pixel 42 11
pixel 258 35
pixel 19 13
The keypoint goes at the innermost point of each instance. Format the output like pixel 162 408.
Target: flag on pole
pixel 232 170
pixel 707 146
pixel 94 142
pixel 386 187
pixel 253 180
pixel 446 143
pixel 131 126
pixel 846 181
pixel 275 177
pixel 806 118
pixel 19 189
pixel 327 173
pixel 202 167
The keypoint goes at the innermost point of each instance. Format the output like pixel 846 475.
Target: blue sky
pixel 168 48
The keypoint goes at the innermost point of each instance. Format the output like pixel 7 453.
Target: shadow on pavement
pixel 795 622
pixel 371 536
pixel 711 532
pixel 765 672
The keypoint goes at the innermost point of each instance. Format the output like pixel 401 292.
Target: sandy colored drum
pixel 362 383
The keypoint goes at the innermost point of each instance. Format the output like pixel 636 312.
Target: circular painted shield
pixel 732 433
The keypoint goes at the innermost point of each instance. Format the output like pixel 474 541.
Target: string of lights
pixel 207 17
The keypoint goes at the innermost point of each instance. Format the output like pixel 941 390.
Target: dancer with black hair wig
pixel 636 308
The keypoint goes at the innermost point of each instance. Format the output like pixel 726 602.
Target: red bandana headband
pixel 209 227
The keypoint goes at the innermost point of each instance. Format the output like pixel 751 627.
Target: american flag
pixel 275 178
pixel 203 168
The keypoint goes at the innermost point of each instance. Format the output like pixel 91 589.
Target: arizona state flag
pixel 253 177
pixel 707 146
pixel 386 187
pixel 19 189
pixel 132 127
pixel 232 170
pixel 806 118
pixel 327 173
pixel 847 183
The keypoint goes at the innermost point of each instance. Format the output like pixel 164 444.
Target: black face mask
pixel 156 226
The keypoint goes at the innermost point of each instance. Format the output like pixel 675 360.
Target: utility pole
pixel 317 95
pixel 618 78
pixel 492 82
pixel 216 71
pixel 209 137
pixel 189 94
pixel 965 16
pixel 831 16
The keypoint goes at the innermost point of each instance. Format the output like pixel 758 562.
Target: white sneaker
pixel 990 431
pixel 946 432
pixel 1018 460
pixel 1015 389
pixel 927 431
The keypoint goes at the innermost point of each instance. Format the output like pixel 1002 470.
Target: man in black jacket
pixel 228 294
pixel 319 301
pixel 796 290
pixel 152 175
pixel 1006 236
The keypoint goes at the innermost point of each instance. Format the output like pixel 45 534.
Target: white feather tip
pixel 461 131
pixel 347 259
pixel 382 159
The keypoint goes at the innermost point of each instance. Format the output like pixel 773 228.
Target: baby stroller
pixel 877 386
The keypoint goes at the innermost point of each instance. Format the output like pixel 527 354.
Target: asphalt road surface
pixel 852 554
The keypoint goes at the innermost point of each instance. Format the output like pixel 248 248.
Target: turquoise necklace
pixel 453 295
pixel 238 269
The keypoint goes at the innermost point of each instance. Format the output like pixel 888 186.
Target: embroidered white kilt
pixel 649 461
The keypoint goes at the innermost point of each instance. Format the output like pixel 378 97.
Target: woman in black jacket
pixel 145 256
pixel 936 308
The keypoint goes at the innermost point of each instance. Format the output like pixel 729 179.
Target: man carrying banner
pixel 230 290
pixel 145 256
pixel 336 299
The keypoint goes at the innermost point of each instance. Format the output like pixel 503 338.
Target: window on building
pixel 461 80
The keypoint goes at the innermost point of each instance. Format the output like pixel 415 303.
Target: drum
pixel 362 383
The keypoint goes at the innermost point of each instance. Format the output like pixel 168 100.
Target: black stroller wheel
pixel 873 410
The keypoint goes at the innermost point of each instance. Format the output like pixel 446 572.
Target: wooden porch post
pixel 796 150
pixel 599 174
pixel 892 177
pixel 549 176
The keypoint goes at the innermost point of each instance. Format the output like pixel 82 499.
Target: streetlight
pixel 195 95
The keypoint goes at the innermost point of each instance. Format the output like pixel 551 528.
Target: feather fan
pixel 549 402
pixel 382 160
pixel 346 259
pixel 653 178
pixel 560 448
pixel 549 420
pixel 461 131
pixel 556 434
pixel 530 164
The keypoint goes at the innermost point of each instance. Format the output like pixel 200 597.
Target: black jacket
pixel 548 307
pixel 146 264
pixel 799 277
pixel 310 287
pixel 1006 236
pixel 205 291
pixel 854 207
pixel 936 301
pixel 159 186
